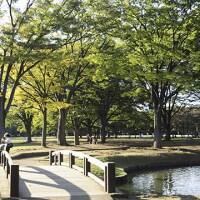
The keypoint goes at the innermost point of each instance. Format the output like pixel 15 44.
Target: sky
pixel 4 7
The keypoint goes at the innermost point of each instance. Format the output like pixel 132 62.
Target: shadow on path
pixel 57 182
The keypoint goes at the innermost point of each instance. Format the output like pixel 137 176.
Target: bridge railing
pixel 12 173
pixel 108 180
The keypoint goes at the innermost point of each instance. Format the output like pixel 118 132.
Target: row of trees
pixel 97 64
pixel 185 123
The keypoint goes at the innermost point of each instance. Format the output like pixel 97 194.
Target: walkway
pixel 4 184
pixel 57 182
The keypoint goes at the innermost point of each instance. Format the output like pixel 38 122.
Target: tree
pixel 186 122
pixel 28 37
pixel 24 42
pixel 21 116
pixel 26 118
pixel 173 103
pixel 159 36
pixel 70 76
pixel 36 89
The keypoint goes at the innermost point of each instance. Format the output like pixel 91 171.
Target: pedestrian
pixel 7 141
pixel 2 144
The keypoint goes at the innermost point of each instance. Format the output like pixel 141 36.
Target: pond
pixel 176 181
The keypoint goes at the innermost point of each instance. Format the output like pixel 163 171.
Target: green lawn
pixel 128 154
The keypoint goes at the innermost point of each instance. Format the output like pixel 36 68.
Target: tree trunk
pixel 2 125
pixel 61 139
pixel 166 116
pixel 28 130
pixel 103 135
pixel 77 131
pixel 2 118
pixel 157 99
pixel 157 128
pixel 108 134
pixel 89 131
pixel 44 128
pixel 76 136
pixel 103 132
pixel 26 118
pixel 168 130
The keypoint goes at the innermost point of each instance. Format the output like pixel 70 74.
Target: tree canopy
pixel 93 63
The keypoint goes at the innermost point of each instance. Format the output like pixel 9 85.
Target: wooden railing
pixel 12 173
pixel 67 157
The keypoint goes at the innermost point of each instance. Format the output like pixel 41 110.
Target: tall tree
pixel 160 36
pixel 23 38
pixel 27 118
pixel 36 88
pixel 70 73
pixel 29 34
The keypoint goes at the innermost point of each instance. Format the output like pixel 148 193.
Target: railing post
pixel 0 157
pixel 86 166
pixel 60 158
pixel 7 168
pixel 110 179
pixel 14 180
pixel 71 160
pixel 4 161
pixel 55 159
pixel 51 158
pixel 105 178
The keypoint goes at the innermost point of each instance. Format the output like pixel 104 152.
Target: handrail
pixel 12 173
pixel 57 158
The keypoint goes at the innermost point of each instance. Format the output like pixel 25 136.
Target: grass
pixel 129 154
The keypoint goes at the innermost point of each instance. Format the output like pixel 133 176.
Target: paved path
pixel 4 184
pixel 56 182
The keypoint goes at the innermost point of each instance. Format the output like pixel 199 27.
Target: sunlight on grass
pixel 98 171
pixel 138 153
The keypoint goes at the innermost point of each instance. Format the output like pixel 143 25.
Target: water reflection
pixel 179 181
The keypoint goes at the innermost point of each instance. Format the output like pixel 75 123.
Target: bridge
pixel 68 176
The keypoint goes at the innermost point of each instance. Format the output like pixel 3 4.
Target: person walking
pixel 2 144
pixel 7 141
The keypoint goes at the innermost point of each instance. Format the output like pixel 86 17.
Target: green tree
pixel 28 36
pixel 160 36
pixel 26 118
pixel 24 42
pixel 36 89
pixel 21 116
pixel 70 76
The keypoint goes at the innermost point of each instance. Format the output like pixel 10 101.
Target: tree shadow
pixel 50 182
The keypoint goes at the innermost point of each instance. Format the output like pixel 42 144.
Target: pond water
pixel 176 181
